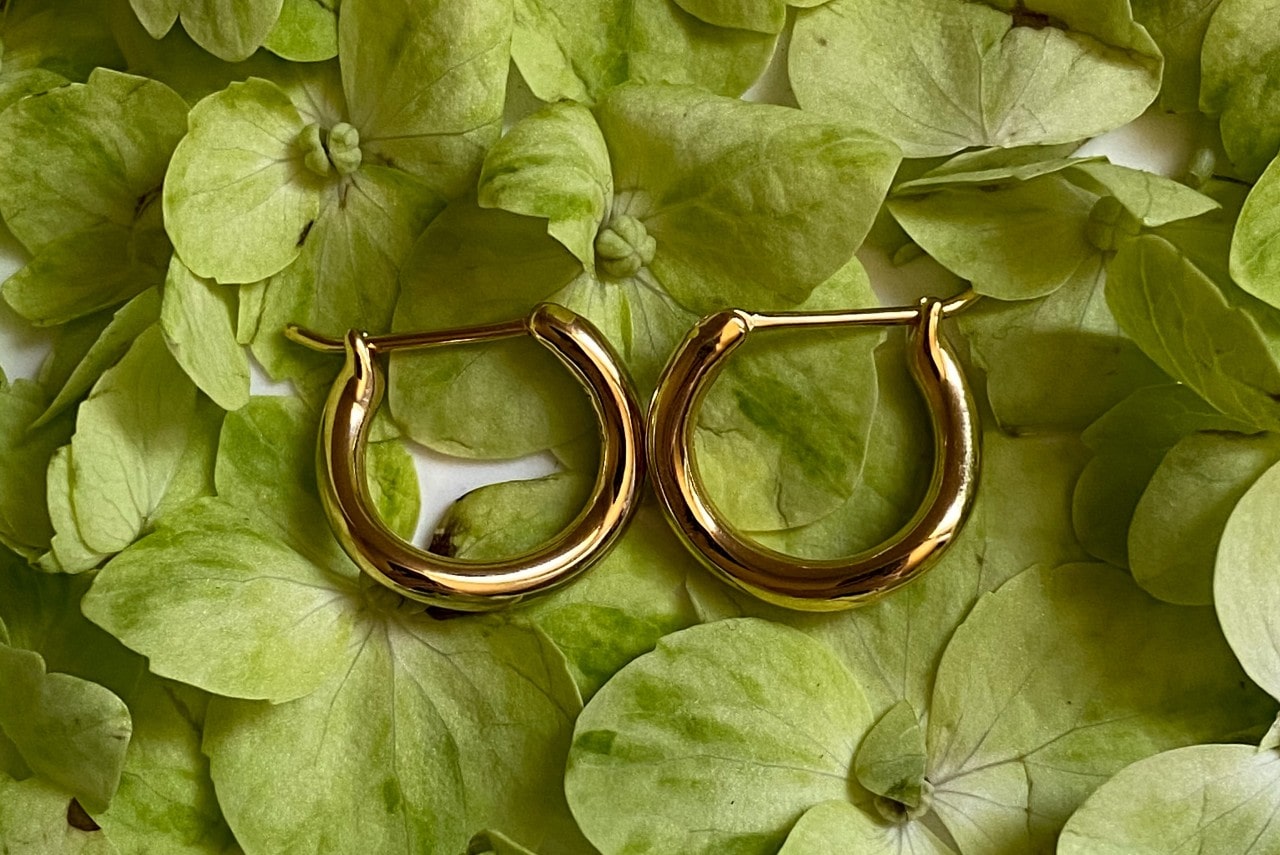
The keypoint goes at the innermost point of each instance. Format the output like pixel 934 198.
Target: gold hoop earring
pixel 816 585
pixel 453 583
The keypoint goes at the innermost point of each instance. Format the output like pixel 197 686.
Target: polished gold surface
pixel 454 583
pixel 798 583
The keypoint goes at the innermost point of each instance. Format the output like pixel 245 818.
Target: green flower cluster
pixel 190 664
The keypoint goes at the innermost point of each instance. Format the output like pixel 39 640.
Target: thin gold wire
pixel 454 583
pixel 812 584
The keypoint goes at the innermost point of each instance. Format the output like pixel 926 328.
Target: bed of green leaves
pixel 188 662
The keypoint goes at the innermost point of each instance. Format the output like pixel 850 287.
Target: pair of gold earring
pixel 815 585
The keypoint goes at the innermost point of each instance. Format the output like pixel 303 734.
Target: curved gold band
pixel 816 585
pixel 454 583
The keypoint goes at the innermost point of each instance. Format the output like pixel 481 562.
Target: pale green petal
pixel 1057 681
pixel 1021 517
pixel 48 42
pixel 891 760
pixel 782 434
pixel 1058 362
pixel 69 731
pixel 196 317
pixel 347 274
pixel 430 731
pixel 130 438
pixel 83 272
pixel 229 29
pixel 426 82
pixel 34 821
pixel 609 615
pixel 1244 581
pixel 1128 442
pixel 1178 522
pixel 101 149
pixel 762 16
pixel 238 201
pixel 1255 245
pixel 306 31
pixel 494 843
pixel 166 803
pixel 574 50
pixel 1203 799
pixel 937 77
pixel 717 741
pixel 1153 199
pixel 1241 80
pixel 982 234
pixel 108 344
pixel 24 454
pixel 184 595
pixel 1178 27
pixel 68 553
pixel 839 828
pixel 554 165
pixel 738 196
pixel 1208 334
pixel 503 399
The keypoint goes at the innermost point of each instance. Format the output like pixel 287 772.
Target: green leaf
pixel 69 731
pixel 238 200
pixel 306 31
pixel 1206 333
pixel 130 438
pixel 1255 245
pixel 1179 520
pixel 1240 82
pixel 1178 28
pixel 554 165
pixel 234 574
pixel 24 455
pixel 891 760
pixel 717 741
pixel 1244 587
pixel 1057 681
pixel 1202 798
pixel 1128 442
pixel 196 317
pixel 104 349
pixel 426 83
pixel 427 731
pixel 35 818
pixel 711 180
pixel 969 74
pixel 838 828
pixel 576 51
pixel 229 29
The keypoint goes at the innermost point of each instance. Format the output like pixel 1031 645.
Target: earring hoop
pixel 813 584
pixel 454 583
